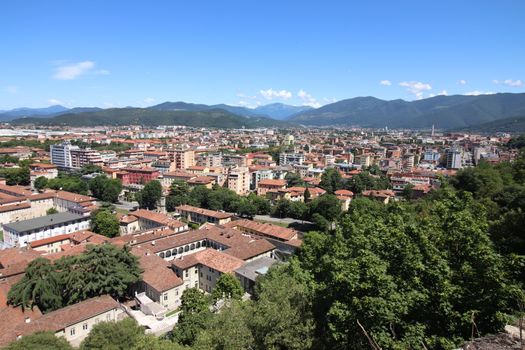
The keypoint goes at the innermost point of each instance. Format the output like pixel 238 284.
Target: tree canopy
pixel 105 223
pixel 101 269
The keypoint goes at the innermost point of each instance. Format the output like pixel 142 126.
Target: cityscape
pixel 221 216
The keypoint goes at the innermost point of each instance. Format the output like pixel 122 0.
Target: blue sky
pixel 119 53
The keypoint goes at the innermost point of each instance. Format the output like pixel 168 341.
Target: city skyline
pixel 238 53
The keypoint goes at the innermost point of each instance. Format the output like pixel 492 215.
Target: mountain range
pixel 444 112
pixel 218 118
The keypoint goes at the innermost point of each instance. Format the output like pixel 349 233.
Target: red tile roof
pixel 211 258
pixel 264 229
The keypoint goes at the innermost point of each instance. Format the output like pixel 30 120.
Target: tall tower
pixel 432 130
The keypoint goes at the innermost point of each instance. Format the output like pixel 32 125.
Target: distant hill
pixel 24 112
pixel 511 125
pixel 278 111
pixel 46 112
pixel 445 112
pixel 281 111
pixel 150 117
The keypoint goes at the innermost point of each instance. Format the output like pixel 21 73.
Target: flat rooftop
pixel 44 221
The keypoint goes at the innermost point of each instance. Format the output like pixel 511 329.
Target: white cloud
pixel 149 100
pixel 442 93
pixel 270 94
pixel 513 83
pixel 477 93
pixel 249 104
pixel 308 100
pixel 385 82
pixel 329 100
pixel 462 82
pixel 54 101
pixel 75 70
pixel 102 72
pixel 12 89
pixel 416 88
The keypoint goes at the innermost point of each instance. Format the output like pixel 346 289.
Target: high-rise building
pixel 183 158
pixel 291 158
pixel 454 156
pixel 66 156
pixel 61 154
pixel 239 180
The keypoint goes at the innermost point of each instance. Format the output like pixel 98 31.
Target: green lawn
pixel 172 312
pixel 122 211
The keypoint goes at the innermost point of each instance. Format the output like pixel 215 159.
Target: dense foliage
pixel 105 223
pixel 101 269
pixel 149 197
pixel 217 198
pixel 105 189
pixel 40 341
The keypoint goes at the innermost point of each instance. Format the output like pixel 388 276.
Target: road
pixel 124 205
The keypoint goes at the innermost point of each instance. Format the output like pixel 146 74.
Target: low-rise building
pixel 200 216
pixel 19 234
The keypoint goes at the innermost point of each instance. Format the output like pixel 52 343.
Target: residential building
pixel 291 158
pixel 21 233
pixel 200 216
pixel 239 180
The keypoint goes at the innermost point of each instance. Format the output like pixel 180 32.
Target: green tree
pixel 293 179
pixel 151 342
pixel 331 180
pixel 307 195
pixel 40 286
pixel 194 316
pixel 105 223
pixel 105 189
pixel 121 335
pixel 102 269
pixel 282 316
pixel 366 181
pixel 282 208
pixel 227 330
pixel 40 183
pixel 262 205
pixel 51 211
pixel 150 195
pixel 40 341
pixel 227 286
pixel 327 205
pixel 179 195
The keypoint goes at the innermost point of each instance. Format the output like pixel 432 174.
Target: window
pixel 198 245
pixel 196 271
pixel 85 326
pixel 168 253
pixel 161 255
pixel 186 273
pixel 186 248
pixel 165 297
pixel 181 250
pixel 192 247
pixel 108 317
pixel 72 331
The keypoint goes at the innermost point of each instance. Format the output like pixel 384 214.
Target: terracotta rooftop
pixel 272 182
pixel 206 212
pixel 251 249
pixel 69 315
pixel 157 273
pixel 211 258
pixel 264 229
pixel 12 317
